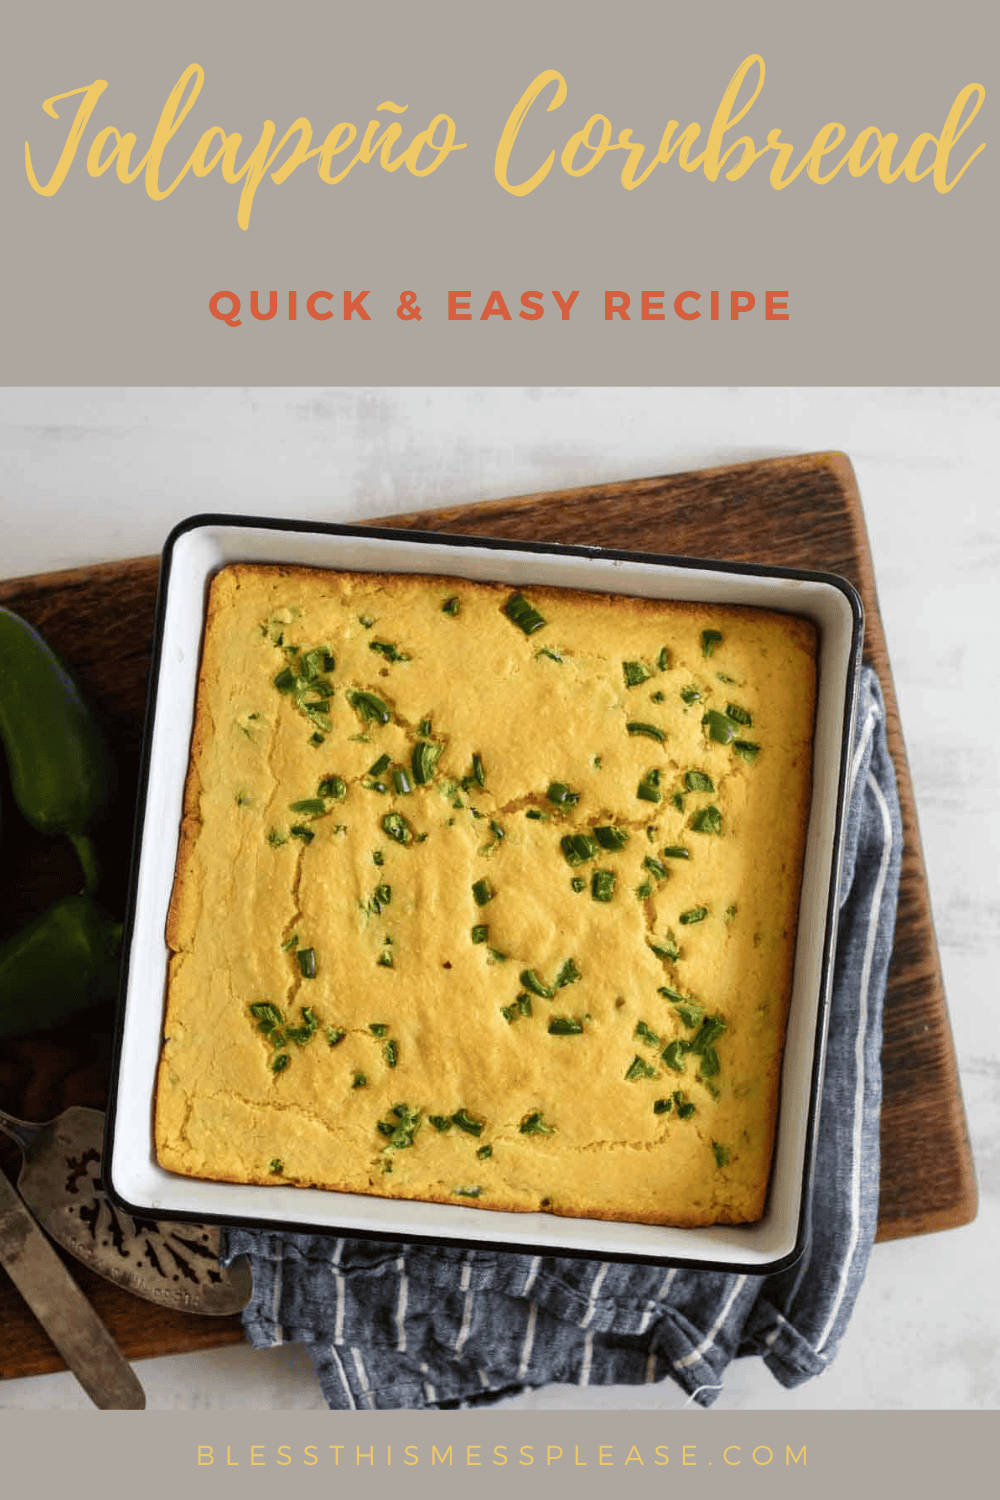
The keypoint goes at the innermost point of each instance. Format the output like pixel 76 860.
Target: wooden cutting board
pixel 802 512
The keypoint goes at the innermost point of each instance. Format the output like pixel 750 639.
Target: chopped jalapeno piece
pixel 401 781
pixel 317 739
pixel 451 606
pixel 665 947
pixel 440 1122
pixel 645 1034
pixel 673 1055
pixel 662 1106
pixel 307 962
pixel 568 974
pixel 388 650
pixel 602 885
pixel 649 730
pixel 552 655
pixel 649 787
pixel 276 1166
pixel 467 1192
pixel 684 1109
pixel 390 1052
pixel 707 820
pixel 484 1153
pixel 534 813
pixel 480 933
pixel 577 848
pixel 655 868
pixel 537 986
pixel 309 807
pixel 382 764
pixel 657 697
pixel 709 640
pixel 738 715
pixel 610 838
pixel 299 831
pixel 690 694
pixel 268 1015
pixel 697 781
pixel 482 892
pixel 370 707
pixel 635 672
pixel 663 660
pixel 523 1003
pixel 385 960
pixel 639 1068
pixel 335 1035
pixel 565 1026
pixel 534 1124
pixel 423 760
pixel 560 794
pixel 721 1154
pixel 644 891
pixel 332 786
pixel 676 851
pixel 578 884
pixel 523 614
pixel 495 956
pixel 720 729
pixel 395 827
pixel 695 914
pixel 746 750
pixel 280 1062
pixel 465 1122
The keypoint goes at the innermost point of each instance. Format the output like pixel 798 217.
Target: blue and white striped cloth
pixel 395 1325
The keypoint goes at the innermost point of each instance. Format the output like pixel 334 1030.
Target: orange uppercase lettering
pixel 293 304
pixel 679 302
pixel 565 306
pixel 458 307
pixel 714 305
pixel 496 307
pixel 514 122
pixel 532 301
pixel 272 306
pixel 774 309
pixel 740 302
pixel 616 304
pixel 352 305
pixel 231 317
pixel 311 302
pixel 91 93
pixel 652 307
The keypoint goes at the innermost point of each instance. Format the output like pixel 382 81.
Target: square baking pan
pixel 193 553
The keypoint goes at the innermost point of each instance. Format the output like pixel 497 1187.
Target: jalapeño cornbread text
pixel 487 895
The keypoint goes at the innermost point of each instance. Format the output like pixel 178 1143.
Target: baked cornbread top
pixel 487 896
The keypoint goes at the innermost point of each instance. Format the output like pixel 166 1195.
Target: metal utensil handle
pixel 19 1130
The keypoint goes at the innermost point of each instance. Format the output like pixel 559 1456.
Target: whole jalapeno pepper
pixel 63 961
pixel 62 774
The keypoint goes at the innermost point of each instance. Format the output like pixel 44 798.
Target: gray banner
pixel 111 267
pixel 438 1455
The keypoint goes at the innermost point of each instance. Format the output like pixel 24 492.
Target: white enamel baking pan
pixel 193 552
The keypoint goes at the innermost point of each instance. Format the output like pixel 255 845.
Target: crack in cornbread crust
pixel 222 1114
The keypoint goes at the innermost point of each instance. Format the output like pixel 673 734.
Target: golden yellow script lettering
pixel 217 147
pixel 514 122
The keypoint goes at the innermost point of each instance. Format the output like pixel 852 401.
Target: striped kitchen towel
pixel 397 1325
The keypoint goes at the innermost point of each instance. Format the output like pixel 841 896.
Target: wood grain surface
pixel 802 512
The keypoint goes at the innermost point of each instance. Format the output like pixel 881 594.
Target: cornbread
pixel 487 896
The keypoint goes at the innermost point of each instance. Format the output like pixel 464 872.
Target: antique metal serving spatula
pixel 176 1264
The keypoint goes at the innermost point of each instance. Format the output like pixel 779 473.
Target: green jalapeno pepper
pixel 62 774
pixel 63 961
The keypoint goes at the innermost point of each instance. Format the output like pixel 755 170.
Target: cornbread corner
pixel 486 896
